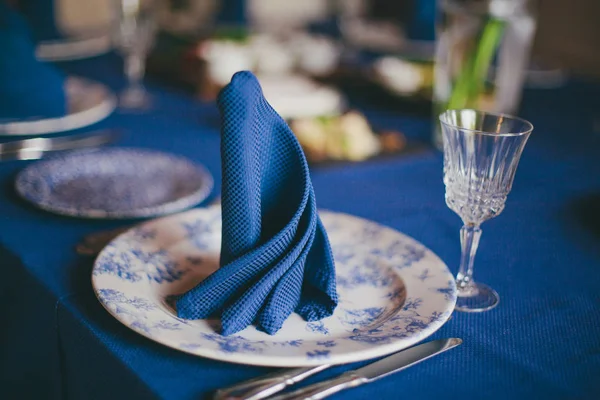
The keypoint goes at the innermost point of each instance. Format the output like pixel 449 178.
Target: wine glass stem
pixel 134 69
pixel 469 240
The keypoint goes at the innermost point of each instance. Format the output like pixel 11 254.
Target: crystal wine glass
pixel 134 36
pixel 481 155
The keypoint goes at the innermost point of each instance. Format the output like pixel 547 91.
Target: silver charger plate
pixel 393 291
pixel 114 183
pixel 88 103
pixel 73 48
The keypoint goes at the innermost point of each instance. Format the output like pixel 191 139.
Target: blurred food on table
pixel 347 137
pixel 404 77
pixel 296 96
pixel 208 63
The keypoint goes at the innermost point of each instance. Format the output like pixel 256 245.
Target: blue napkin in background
pixel 275 254
pixel 28 88
pixel 42 16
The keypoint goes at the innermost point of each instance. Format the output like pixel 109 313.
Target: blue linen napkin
pixel 42 16
pixel 28 88
pixel 275 254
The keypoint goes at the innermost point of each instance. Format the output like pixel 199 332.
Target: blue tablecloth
pixel 542 255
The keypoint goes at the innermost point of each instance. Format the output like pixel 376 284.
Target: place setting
pixel 265 278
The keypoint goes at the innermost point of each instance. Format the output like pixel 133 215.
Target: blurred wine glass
pixel 133 34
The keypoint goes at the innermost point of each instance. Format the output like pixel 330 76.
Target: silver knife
pixel 33 149
pixel 265 386
pixel 372 372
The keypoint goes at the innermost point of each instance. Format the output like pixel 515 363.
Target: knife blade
pixel 374 371
pixel 33 149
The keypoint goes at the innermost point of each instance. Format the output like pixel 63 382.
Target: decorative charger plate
pixel 114 183
pixel 88 103
pixel 393 292
pixel 73 49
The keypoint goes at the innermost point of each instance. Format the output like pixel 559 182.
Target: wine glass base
pixel 477 298
pixel 135 100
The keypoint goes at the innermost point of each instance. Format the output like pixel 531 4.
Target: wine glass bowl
pixel 481 154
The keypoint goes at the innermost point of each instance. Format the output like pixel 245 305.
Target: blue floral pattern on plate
pixel 393 291
pixel 114 183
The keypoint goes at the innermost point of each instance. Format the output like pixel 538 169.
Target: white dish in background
pixel 294 96
pixel 398 75
pixel 317 55
pixel 88 103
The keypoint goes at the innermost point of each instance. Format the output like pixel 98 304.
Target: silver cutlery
pixel 266 386
pixel 36 148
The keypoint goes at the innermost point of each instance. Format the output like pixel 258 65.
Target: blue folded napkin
pixel 42 16
pixel 28 88
pixel 275 254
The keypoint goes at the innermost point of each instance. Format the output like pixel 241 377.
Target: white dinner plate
pixel 295 96
pixel 88 103
pixel 393 292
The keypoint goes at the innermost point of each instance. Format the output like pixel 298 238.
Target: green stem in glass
pixel 471 79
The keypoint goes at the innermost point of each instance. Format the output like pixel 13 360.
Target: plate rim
pixel 367 353
pixel 169 207
pixel 76 48
pixel 67 122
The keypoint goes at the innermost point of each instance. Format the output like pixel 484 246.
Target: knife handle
pixel 326 388
pixel 264 386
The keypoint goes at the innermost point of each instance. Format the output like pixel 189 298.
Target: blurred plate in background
pixel 73 49
pixel 88 103
pixel 115 183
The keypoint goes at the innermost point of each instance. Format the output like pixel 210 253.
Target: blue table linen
pixel 541 255
pixel 28 87
pixel 275 255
